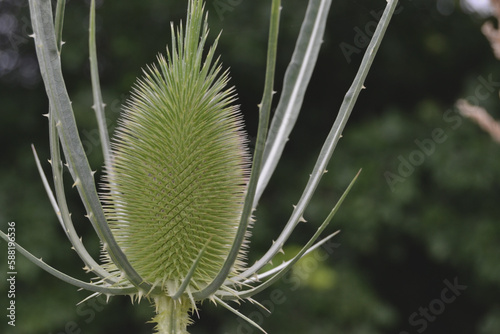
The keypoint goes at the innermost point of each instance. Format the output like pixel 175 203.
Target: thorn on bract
pixel 77 183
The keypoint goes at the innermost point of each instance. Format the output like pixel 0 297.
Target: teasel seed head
pixel 179 166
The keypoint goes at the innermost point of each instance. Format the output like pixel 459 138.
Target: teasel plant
pixel 174 208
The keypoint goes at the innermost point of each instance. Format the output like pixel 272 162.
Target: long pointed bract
pixel 331 140
pixel 50 66
pixel 275 277
pixel 265 109
pixel 96 89
pixel 295 84
pixel 106 289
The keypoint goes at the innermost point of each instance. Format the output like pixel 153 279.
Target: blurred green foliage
pixel 399 241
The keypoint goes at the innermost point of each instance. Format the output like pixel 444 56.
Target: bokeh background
pixel 419 248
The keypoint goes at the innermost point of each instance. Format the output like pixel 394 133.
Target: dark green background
pixel 398 246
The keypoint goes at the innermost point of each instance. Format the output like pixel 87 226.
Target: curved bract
pixel 178 193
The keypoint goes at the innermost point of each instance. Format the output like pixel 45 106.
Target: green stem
pixel 265 110
pixel 58 22
pixel 60 106
pixel 96 89
pixel 172 316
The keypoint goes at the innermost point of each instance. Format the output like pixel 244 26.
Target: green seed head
pixel 179 166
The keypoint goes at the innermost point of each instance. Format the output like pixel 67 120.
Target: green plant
pixel 174 214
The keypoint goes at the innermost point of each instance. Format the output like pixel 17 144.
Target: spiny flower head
pixel 179 168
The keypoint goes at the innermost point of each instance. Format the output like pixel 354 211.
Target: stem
pixel 172 316
pixel 265 110
pixel 60 106
pixel 96 90
pixel 297 77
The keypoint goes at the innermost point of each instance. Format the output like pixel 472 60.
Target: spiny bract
pixel 179 166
